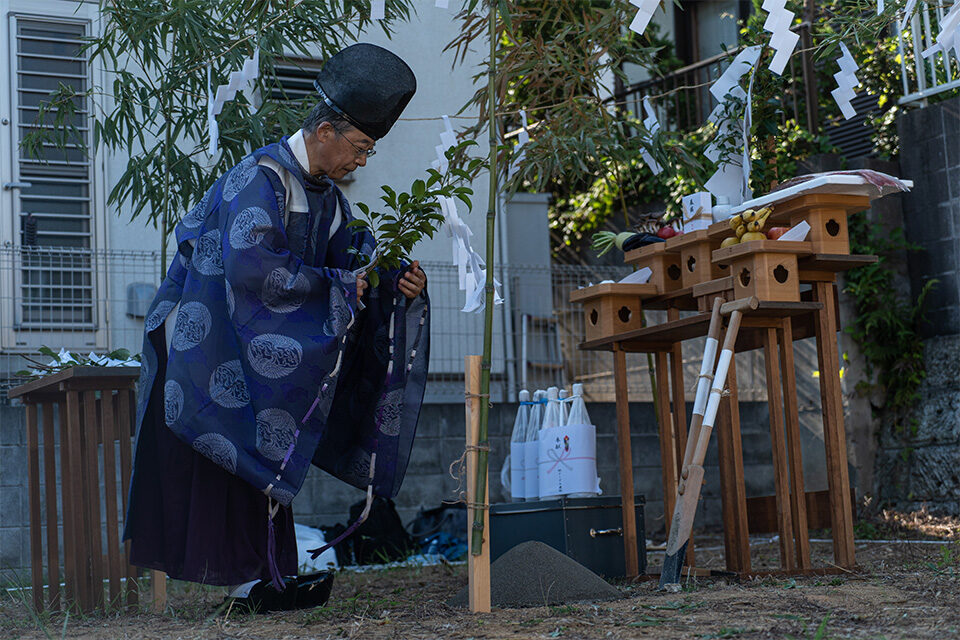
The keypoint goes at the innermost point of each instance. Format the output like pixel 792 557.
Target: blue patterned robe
pixel 272 366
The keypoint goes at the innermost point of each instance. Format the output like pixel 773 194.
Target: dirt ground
pixel 901 590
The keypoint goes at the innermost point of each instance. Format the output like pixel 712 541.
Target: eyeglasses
pixel 361 153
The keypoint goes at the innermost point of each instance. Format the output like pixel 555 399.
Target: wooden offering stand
pixel 696 263
pixel 765 269
pixel 94 416
pixel 663 262
pixel 612 307
pixel 779 316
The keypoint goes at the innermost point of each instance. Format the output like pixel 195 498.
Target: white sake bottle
pixel 578 417
pixel 531 490
pixel 551 418
pixel 517 448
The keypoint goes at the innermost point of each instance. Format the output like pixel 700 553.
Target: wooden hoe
pixel 705 407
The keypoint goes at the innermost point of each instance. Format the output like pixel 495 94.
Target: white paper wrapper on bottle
pixel 530 485
pixel 551 418
pixel 518 478
pixel 567 460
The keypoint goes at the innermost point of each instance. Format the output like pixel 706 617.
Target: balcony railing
pixel 931 76
pixel 683 99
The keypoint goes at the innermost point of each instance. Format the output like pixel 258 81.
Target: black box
pixel 588 530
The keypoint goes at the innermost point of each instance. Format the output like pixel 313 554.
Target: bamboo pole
pixel 476 544
pixel 479 563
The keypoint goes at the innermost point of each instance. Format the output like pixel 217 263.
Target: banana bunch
pixel 748 226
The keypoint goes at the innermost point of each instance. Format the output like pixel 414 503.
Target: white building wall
pixel 403 156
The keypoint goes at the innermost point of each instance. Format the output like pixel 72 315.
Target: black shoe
pixel 314 590
pixel 263 597
pixel 302 592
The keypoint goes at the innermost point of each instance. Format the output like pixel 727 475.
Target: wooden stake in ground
pixel 158 582
pixel 479 564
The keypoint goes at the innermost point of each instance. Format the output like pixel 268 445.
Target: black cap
pixel 368 85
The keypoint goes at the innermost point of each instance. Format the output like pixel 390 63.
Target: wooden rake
pixel 705 407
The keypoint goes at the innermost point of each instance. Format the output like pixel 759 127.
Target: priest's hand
pixel 361 286
pixel 413 281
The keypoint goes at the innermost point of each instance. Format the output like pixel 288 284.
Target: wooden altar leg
pixel 778 447
pixel 626 463
pixel 50 482
pixel 798 503
pixel 75 494
pixel 111 508
pixel 679 412
pixel 736 537
pixel 36 532
pixel 91 451
pixel 124 421
pixel 70 595
pixel 834 435
pixel 668 448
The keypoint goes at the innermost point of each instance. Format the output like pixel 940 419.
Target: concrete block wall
pixel 918 456
pixel 14 509
pixel 930 156
pixel 440 442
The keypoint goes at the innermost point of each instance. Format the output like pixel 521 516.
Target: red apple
pixel 774 233
pixel 666 232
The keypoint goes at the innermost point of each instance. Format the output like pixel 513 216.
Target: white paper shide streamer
pixel 470 266
pixel 782 39
pixel 949 36
pixel 239 80
pixel 378 9
pixel 645 11
pixel 652 125
pixel 847 83
pixel 447 139
pixel 730 180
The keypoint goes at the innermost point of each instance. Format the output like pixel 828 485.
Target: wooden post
pixel 734 499
pixel 809 72
pixel 781 479
pixel 679 411
pixel 158 586
pixel 91 450
pixel 71 597
pixel 50 482
pixel 73 493
pixel 834 435
pixel 114 559
pixel 627 499
pixel 479 565
pixel 668 457
pixel 33 470
pixel 798 502
pixel 124 422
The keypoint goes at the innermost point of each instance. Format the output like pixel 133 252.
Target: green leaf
pixel 47 351
pixel 418 188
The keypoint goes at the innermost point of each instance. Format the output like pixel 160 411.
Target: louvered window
pixel 294 83
pixel 56 277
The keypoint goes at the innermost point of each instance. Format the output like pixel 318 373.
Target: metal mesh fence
pixel 95 301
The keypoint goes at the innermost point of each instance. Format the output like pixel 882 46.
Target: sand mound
pixel 533 574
